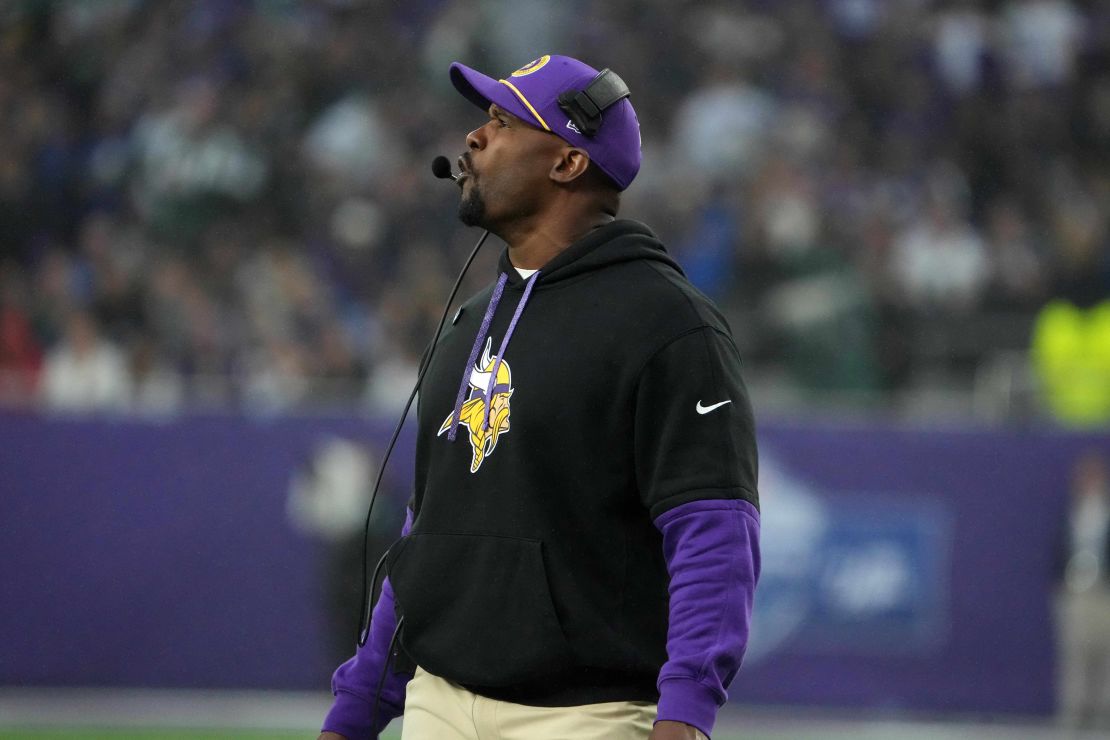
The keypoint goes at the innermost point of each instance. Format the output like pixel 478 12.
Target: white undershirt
pixel 525 273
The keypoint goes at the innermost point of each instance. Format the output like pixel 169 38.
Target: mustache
pixel 466 164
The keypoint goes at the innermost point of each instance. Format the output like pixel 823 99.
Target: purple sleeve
pixel 355 682
pixel 712 553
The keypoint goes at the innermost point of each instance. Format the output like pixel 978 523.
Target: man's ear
pixel 571 165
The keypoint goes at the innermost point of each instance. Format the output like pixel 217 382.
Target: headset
pixel 584 107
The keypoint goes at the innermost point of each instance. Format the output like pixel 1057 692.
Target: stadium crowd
pixel 226 203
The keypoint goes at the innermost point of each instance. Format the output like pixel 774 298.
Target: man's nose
pixel 476 139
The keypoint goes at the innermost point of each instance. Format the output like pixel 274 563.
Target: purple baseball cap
pixel 532 94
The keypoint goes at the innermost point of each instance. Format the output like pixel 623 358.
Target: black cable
pixel 373 582
pixel 385 670
pixel 368 593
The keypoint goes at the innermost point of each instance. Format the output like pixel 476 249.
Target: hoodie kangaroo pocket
pixel 477 608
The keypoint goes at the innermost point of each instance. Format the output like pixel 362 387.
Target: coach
pixel 581 550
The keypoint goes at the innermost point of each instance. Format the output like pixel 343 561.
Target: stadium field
pixel 106 714
pixel 108 733
pixel 786 731
pixel 72 733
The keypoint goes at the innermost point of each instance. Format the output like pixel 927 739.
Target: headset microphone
pixel 441 168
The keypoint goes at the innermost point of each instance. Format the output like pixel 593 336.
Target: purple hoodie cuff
pixel 349 716
pixel 686 700
pixel 355 683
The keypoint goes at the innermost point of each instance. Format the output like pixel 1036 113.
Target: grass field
pixel 106 733
pixel 29 714
pixel 788 731
pixel 72 733
pixel 77 733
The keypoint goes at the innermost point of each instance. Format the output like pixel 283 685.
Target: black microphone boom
pixel 441 168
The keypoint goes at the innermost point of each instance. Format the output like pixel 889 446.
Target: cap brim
pixel 482 90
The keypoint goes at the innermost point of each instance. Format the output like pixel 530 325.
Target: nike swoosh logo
pixel 707 409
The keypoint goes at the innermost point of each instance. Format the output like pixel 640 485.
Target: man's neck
pixel 533 248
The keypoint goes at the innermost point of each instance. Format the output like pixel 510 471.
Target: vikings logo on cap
pixel 533 66
pixel 485 425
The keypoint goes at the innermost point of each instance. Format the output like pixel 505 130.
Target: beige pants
pixel 436 709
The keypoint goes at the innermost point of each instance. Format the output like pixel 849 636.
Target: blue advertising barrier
pixel 903 569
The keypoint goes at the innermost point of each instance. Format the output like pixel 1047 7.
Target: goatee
pixel 472 209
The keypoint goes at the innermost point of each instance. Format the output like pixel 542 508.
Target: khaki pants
pixel 436 709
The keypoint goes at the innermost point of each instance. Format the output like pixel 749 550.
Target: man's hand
pixel 330 736
pixel 669 730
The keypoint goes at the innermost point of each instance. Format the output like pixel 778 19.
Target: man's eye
pixel 503 123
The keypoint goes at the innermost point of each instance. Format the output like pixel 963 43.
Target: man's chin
pixel 472 211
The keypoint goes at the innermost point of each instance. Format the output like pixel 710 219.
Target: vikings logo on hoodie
pixel 485 423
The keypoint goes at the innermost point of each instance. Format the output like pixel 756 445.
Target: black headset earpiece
pixel 584 107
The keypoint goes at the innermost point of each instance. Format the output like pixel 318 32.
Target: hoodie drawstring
pixel 505 343
pixel 494 300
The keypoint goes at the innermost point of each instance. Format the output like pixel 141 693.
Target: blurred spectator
pixel 1083 611
pixel 720 128
pixel 276 377
pixel 327 500
pixel 192 165
pixel 708 252
pixel 1080 229
pixel 20 353
pixel 1041 38
pixel 1016 257
pixel 1071 356
pixel 85 371
pixel 350 143
pixel 158 389
pixel 960 46
pixel 939 262
pixel 391 383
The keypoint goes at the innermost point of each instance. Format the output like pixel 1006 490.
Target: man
pixel 1083 601
pixel 582 546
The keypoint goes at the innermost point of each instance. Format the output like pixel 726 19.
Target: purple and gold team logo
pixel 485 428
pixel 533 66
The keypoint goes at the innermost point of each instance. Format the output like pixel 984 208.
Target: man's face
pixel 505 170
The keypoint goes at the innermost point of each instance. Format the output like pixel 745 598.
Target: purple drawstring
pixel 493 301
pixel 505 344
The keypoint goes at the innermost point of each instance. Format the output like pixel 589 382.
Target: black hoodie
pixel 533 572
